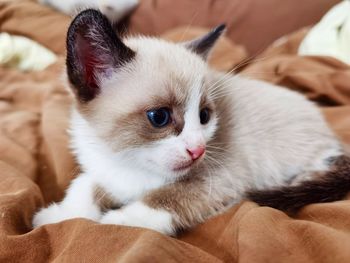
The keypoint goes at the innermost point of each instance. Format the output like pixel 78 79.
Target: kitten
pixel 169 141
pixel 115 10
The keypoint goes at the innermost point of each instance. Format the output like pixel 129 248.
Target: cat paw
pixel 115 217
pixel 56 213
pixel 140 215
pixel 49 215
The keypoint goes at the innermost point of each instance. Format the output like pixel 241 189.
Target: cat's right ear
pixel 203 45
pixel 94 52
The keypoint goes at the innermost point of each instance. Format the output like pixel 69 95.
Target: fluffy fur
pixel 259 135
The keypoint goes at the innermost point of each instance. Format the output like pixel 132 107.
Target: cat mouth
pixel 183 166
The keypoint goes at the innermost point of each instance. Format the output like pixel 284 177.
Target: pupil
pixel 159 117
pixel 204 116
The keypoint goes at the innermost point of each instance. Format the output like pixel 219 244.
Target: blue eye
pixel 159 117
pixel 204 116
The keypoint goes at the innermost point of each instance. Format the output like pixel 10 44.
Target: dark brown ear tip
pixel 204 44
pixel 85 16
pixel 217 31
pixel 220 29
pixel 89 13
pixel 84 20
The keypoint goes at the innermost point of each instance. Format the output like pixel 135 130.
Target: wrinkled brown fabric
pixel 324 80
pixel 40 23
pixel 36 166
pixel 252 23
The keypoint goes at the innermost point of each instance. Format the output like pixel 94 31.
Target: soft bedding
pixel 23 53
pixel 36 166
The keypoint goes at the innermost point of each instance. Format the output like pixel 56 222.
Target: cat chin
pixel 185 166
pixel 181 173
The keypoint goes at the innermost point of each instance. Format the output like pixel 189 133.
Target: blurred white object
pixel 24 54
pixel 115 10
pixel 331 36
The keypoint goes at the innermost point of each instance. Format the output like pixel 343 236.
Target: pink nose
pixel 196 152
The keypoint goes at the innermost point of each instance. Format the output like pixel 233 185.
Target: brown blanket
pixel 36 166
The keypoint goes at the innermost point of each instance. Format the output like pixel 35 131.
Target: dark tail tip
pixel 332 186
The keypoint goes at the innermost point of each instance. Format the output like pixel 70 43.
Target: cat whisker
pixel 208 168
pixel 250 60
pixel 217 148
pixel 189 25
pixel 227 76
pixel 212 159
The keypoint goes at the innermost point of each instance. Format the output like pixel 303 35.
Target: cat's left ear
pixel 203 45
pixel 94 52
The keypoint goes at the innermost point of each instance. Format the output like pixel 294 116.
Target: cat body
pixel 169 141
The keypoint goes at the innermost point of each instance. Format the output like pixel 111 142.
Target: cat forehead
pixel 162 74
pixel 146 92
pixel 164 56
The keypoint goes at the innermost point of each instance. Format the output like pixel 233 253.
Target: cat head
pixel 144 97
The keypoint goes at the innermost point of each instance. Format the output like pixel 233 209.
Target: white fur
pixel 276 135
pixel 139 215
pixel 78 202
pixel 194 134
pixel 116 172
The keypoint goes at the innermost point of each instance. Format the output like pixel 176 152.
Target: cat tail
pixel 333 185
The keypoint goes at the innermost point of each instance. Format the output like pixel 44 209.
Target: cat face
pixel 147 99
pixel 158 108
